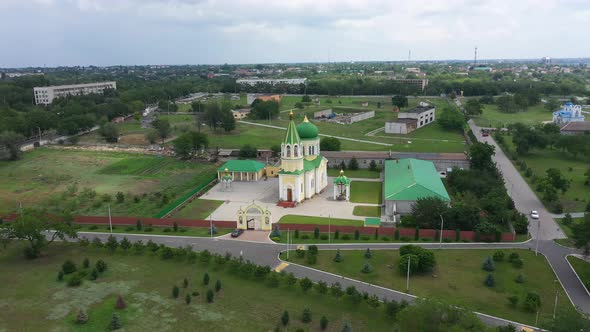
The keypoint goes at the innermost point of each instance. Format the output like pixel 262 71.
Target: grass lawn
pixel 492 117
pixel 359 173
pixel 42 177
pixel 574 200
pixel 156 230
pixel 582 268
pixel 367 211
pixel 568 242
pixel 130 132
pixel 366 192
pixel 297 219
pixel 458 279
pixel 198 209
pixel 145 282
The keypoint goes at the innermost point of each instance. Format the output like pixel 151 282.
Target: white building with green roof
pixel 406 181
pixel 303 172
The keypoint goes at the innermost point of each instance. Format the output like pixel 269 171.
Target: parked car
pixel 485 134
pixel 534 214
pixel 237 232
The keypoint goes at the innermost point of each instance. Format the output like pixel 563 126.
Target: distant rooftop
pixel 418 109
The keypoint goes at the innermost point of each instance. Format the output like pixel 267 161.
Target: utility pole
pixel 288 233
pixel 110 219
pixel 441 231
pixel 408 276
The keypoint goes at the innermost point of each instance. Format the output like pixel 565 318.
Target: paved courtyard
pixel 266 194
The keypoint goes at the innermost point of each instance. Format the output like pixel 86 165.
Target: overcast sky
pixel 109 32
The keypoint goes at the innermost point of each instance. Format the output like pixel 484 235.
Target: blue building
pixel 569 113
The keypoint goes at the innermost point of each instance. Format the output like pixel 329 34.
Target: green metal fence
pixel 182 199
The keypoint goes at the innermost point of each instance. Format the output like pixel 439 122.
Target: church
pixel 303 171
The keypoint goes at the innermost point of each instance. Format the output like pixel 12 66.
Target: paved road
pixel 573 214
pixel 524 198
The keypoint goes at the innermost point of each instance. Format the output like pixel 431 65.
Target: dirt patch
pixel 133 139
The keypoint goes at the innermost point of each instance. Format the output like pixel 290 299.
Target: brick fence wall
pixel 153 221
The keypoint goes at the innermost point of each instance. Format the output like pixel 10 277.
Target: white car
pixel 534 214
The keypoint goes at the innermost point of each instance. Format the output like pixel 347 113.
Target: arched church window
pixel 288 151
pixel 296 149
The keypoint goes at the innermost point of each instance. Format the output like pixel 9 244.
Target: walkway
pixel 573 214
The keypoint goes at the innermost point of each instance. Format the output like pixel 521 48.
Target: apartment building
pixel 411 120
pixel 45 95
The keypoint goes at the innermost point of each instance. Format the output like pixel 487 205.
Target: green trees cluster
pixel 187 145
pixel 219 115
pixel 450 118
pixel 420 260
pixel 264 109
pixel 330 144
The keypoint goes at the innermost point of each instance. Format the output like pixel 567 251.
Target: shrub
pixel 513 300
pixel 304 237
pixel 338 258
pixel 285 318
pixel 148 230
pixel 138 225
pixel 129 229
pixel 403 264
pixel 323 323
pixel 120 197
pixel 81 317
pixel 457 235
pixel 396 234
pixel 337 234
pixel 336 289
pixel 306 317
pixel 94 274
pixel 205 256
pixel 217 285
pixel 93 227
pixel 365 238
pixel 210 296
pixel 498 256
pixel 391 308
pixel 112 243
pixel 532 302
pixel 115 323
pixel 405 239
pixel 60 275
pixel 291 280
pixel 206 279
pixel 185 283
pixel 316 233
pixel 125 244
pixel 417 234
pixel 490 281
pixel 175 226
pixel 195 293
pixel 120 303
pixel 346 237
pixel 518 263
pixel 311 259
pixel 357 234
pixel 520 279
pixel 373 301
pixel 175 291
pixel 68 267
pixel 276 232
pixel 321 287
pixel 272 280
pixel 385 238
pixel 425 239
pixel 187 299
pixel 296 233
pixel 299 253
pixel 75 280
pixel 367 268
pixel 167 230
pixel 167 253
pixel 513 256
pixel 488 265
pixel 324 237
pixel 368 253
pixel 101 266
pixel 305 284
pixel 83 241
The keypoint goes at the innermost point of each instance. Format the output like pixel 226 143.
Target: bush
pixel 129 229
pixel 305 284
pixel 518 263
pixel 324 237
pixel 81 317
pixel 68 267
pixel 457 235
pixel 513 256
pixel 83 241
pixel 275 239
pixel 306 317
pixel 175 291
pixel 101 266
pixel 337 234
pixel 296 233
pixel 210 296
pixel 285 318
pixel 490 281
pixel 367 268
pixel 513 300
pixel 148 230
pixel 338 258
pixel 94 274
pixel 316 233
pixel 115 323
pixel 346 237
pixel 385 238
pixel 60 275
pixel 311 259
pixel 217 285
pixel 365 238
pixel 396 235
pixel 175 226
pixel 75 280
pixel 532 302
pixel 304 237
pixel 417 234
pixel 206 279
pixel 187 299
pixel 93 227
pixel 120 303
pixel 519 279
pixel 488 265
pixel 498 256
pixel 405 239
pixel 368 253
pixel 357 234
pixel 138 225
pixel 299 253
pixel 403 264
pixel 323 323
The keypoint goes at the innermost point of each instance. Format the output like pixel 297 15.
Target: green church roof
pixel 342 179
pixel 241 166
pixel 292 136
pixel 410 179
pixel 307 130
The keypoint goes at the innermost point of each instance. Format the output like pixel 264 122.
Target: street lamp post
pixel 211 225
pixel 538 235
pixel 408 275
pixel 288 246
pixel 329 224
pixel 556 297
pixel 441 231
pixel 110 219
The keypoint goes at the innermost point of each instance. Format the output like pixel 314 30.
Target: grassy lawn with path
pixel 582 269
pixel 366 192
pixel 145 282
pixel 458 279
pixel 198 209
pixel 297 219
pixel 577 196
pixel 567 229
pixel 359 173
pixel 367 211
pixel 42 177
pixel 155 230
pixel 492 117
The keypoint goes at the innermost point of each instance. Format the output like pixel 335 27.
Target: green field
pixel 568 242
pixel 130 132
pixel 38 302
pixel 297 219
pixel 155 230
pixel 582 269
pixel 458 279
pixel 359 173
pixel 367 211
pixel 198 209
pixel 366 192
pixel 492 117
pixel 77 179
pixel 574 200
